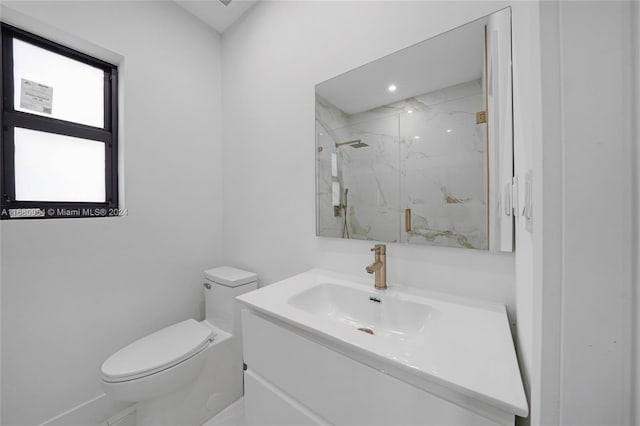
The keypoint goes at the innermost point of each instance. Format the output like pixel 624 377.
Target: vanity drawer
pixel 337 388
pixel 265 405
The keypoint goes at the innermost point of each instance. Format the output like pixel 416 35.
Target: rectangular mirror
pixel 417 146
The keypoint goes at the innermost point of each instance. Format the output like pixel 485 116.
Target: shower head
pixel 357 143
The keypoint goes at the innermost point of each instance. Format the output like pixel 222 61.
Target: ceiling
pixel 443 61
pixel 214 13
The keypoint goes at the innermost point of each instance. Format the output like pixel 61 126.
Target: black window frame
pixel 10 208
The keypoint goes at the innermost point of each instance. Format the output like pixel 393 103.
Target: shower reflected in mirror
pixel 429 162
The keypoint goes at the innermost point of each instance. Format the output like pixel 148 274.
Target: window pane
pixel 78 89
pixel 50 167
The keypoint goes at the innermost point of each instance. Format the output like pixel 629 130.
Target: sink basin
pixel 360 309
pixel 436 342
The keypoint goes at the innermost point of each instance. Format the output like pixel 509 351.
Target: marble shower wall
pixel 444 173
pixel 425 153
pixel 371 174
pixel 328 117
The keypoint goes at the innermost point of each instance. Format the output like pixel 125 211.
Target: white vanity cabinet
pixel 294 377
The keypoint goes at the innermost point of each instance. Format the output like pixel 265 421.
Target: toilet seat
pixel 157 351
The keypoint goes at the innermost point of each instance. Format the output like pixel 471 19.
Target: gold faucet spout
pixel 379 266
pixel 374 267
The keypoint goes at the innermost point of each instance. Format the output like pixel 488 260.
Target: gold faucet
pixel 379 266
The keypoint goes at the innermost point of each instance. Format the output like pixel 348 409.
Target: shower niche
pixel 417 147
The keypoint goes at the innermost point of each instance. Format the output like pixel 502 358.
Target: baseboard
pixel 100 410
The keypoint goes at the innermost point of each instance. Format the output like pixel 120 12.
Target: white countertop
pixel 461 345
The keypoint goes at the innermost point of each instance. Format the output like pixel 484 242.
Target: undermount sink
pixel 380 314
pixel 436 342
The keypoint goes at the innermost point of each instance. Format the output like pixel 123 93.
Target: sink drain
pixel 366 330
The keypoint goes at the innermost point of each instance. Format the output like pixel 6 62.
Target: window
pixel 59 144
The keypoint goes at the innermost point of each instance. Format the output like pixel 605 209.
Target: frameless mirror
pixel 417 146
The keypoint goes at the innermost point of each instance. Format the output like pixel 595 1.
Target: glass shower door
pixel 443 160
pixel 359 166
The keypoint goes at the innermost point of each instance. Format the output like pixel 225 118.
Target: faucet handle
pixel 379 249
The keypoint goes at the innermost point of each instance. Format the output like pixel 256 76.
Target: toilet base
pixel 217 386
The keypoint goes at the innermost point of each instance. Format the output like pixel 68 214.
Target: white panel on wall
pixel 597 279
pixel 500 130
pixel 583 253
pixel 636 72
pixel 527 152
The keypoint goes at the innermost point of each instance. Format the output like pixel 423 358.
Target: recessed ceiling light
pixel 416 137
pixel 392 88
pixel 410 111
pixel 449 130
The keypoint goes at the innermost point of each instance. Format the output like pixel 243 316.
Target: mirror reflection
pixel 403 143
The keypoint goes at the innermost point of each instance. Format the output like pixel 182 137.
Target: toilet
pixel 187 372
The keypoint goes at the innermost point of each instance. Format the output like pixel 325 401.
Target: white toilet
pixel 186 373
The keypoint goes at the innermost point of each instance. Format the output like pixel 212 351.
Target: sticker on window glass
pixel 36 96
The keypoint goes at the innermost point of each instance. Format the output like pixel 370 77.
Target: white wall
pixel 636 210
pixel 73 291
pixel 547 241
pixel 272 59
pixel 76 290
pixel 584 344
pixel 596 253
pixel 527 128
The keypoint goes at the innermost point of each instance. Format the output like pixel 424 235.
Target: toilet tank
pixel 222 286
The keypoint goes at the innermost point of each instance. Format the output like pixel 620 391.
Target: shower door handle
pixel 407 220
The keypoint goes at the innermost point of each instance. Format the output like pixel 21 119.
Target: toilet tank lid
pixel 230 277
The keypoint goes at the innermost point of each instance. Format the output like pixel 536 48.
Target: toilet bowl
pixel 189 371
pixel 158 363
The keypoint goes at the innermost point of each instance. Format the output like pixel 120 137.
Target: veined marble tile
pixel 425 153
pixel 444 183
pixel 371 174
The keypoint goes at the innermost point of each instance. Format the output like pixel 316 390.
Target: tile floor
pixel 233 415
